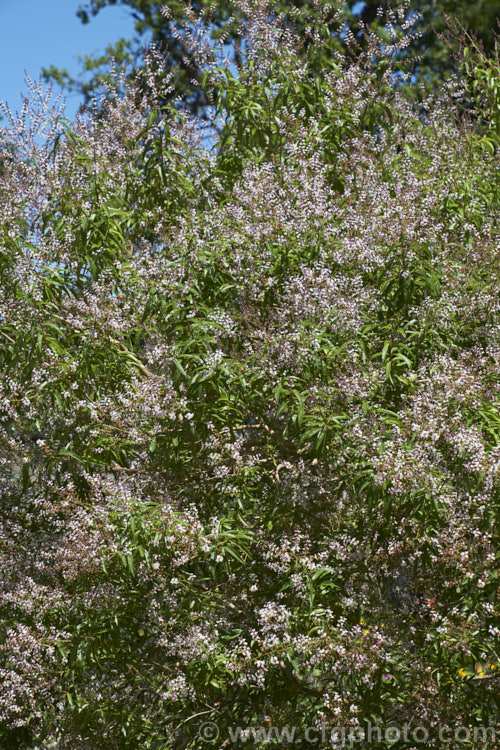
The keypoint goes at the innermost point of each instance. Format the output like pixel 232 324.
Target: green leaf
pixel 385 349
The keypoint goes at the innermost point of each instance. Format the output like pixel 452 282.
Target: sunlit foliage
pixel 249 406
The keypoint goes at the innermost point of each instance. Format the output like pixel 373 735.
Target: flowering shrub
pixel 250 426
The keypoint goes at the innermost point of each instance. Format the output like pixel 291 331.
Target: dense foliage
pixel 249 413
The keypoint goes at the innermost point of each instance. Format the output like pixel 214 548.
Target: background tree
pixel 151 24
pixel 431 49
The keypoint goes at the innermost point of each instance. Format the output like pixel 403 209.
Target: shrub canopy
pixel 249 408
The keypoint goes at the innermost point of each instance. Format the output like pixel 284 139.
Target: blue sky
pixel 39 33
